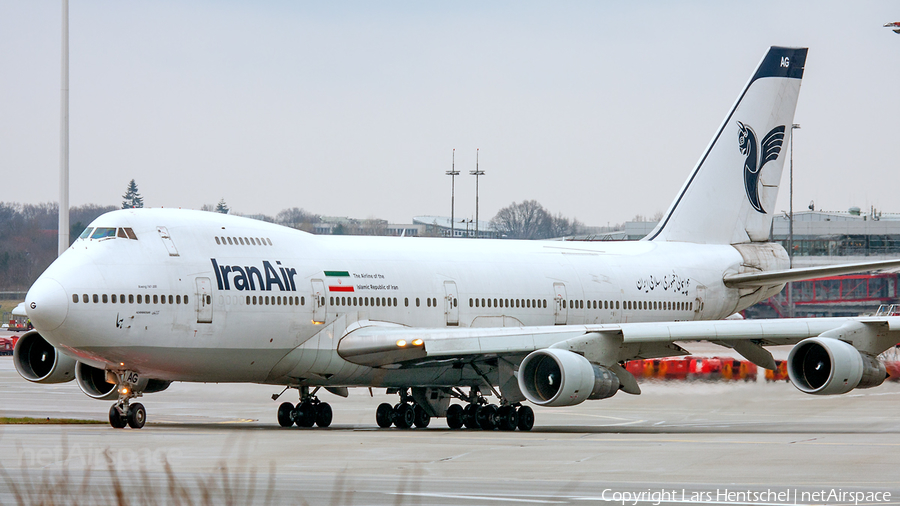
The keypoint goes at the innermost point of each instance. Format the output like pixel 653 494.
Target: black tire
pixel 487 417
pixel 284 414
pixel 116 420
pixel 324 415
pixel 404 416
pixel 137 415
pixel 526 418
pixel 470 418
pixel 421 418
pixel 455 415
pixel 384 415
pixel 507 418
pixel 305 414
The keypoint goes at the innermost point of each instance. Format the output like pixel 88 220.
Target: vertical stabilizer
pixel 730 195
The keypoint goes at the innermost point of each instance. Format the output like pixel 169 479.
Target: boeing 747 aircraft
pixel 146 297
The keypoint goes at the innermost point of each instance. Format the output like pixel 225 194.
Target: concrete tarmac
pixel 722 443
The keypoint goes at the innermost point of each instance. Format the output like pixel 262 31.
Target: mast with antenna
pixel 452 173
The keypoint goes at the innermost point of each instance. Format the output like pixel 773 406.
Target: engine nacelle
pixel 94 383
pixel 553 377
pixel 38 361
pixel 827 366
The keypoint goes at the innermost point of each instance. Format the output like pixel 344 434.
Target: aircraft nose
pixel 46 304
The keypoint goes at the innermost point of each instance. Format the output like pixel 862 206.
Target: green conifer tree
pixel 132 198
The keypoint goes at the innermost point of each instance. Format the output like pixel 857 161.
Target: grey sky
pixel 598 110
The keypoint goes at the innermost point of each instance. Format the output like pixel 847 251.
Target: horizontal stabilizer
pixel 771 278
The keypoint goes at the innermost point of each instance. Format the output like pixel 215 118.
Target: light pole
pixel 477 172
pixel 64 136
pixel 794 126
pixel 452 173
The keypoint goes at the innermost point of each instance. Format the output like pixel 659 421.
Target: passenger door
pixel 318 301
pixel 451 304
pixel 204 301
pixel 560 306
pixel 167 241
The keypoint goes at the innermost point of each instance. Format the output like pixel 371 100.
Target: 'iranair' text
pixel 249 277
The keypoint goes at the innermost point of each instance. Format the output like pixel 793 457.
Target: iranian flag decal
pixel 339 281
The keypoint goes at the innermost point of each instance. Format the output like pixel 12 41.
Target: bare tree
pixel 528 220
pixel 560 226
pixel 298 218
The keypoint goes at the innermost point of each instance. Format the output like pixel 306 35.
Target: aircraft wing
pixel 770 278
pixel 377 344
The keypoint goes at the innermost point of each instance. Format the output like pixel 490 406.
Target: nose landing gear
pixel 124 413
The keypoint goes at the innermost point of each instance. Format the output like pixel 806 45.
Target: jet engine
pixel 93 382
pixel 38 361
pixel 553 377
pixel 828 366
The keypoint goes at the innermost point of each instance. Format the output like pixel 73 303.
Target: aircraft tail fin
pixel 730 195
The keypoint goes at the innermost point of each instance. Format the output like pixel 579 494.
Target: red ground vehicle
pixel 7 345
pixel 673 368
pixel 779 374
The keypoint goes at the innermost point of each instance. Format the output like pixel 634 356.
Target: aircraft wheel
pixel 421 418
pixel 284 414
pixel 324 415
pixel 384 415
pixel 470 420
pixel 455 415
pixel 116 420
pixel 507 418
pixel 404 416
pixel 526 418
pixel 487 417
pixel 305 414
pixel 136 415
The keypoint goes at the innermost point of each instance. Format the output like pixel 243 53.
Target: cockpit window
pixel 121 233
pixel 86 233
pixel 130 233
pixel 101 232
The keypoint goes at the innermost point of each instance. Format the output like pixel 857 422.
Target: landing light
pixel 417 342
pixel 401 343
pixel 124 391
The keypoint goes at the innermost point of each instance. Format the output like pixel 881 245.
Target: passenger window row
pixel 139 298
pixel 653 305
pixel 382 301
pixel 243 241
pixel 364 301
pixel 526 303
pixel 275 300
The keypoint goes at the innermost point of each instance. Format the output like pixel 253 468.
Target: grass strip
pixel 25 420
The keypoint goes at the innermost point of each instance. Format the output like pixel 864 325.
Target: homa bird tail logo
pixel 757 156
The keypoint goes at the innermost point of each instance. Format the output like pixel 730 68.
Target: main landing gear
pixel 310 411
pixel 124 413
pixel 403 415
pixel 476 414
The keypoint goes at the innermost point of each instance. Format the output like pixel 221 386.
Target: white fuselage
pixel 227 299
